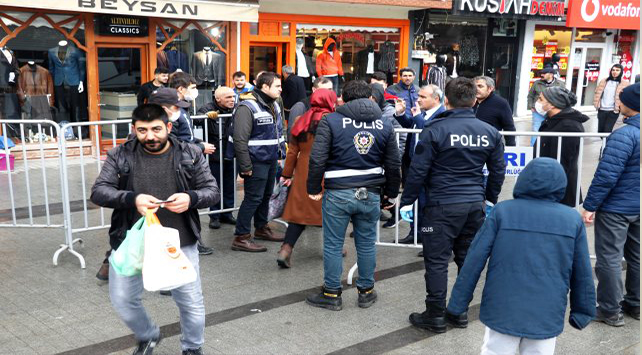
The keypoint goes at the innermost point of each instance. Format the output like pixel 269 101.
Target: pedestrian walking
pixel 356 152
pixel 161 77
pixel 607 99
pixel 452 151
pixel 522 307
pixel 258 145
pixel 293 89
pixel 548 80
pixel 224 99
pixel 493 109
pixel 613 203
pixel 557 106
pixel 301 211
pixel 136 176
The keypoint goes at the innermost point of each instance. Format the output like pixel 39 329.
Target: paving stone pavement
pixel 252 306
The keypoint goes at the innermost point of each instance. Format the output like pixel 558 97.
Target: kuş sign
pixel 513 7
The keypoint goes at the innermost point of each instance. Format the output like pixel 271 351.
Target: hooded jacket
pixel 354 147
pixel 532 266
pixel 329 64
pixel 616 184
pixel 600 90
pixel 568 120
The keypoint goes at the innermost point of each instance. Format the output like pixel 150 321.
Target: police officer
pixel 357 154
pixel 258 145
pixel 448 162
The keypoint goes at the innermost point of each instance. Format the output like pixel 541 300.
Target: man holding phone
pixel 156 172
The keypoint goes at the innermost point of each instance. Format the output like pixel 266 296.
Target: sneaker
pixel 391 223
pixel 615 320
pixel 328 299
pixel 147 347
pixel 198 351
pixel 633 312
pixel 203 250
pixel 367 297
pixel 215 224
pixel 457 321
pixel 435 322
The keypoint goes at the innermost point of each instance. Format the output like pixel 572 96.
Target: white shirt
pixel 302 68
pixel 370 68
pixel 429 113
pixel 607 103
pixel 454 74
pixel 7 54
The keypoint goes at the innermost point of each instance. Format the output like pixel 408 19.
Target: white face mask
pixel 173 116
pixel 191 95
pixel 540 108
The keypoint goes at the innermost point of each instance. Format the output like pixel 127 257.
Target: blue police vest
pixel 357 154
pixel 266 143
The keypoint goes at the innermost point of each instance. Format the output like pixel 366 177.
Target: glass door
pixel 586 66
pixel 120 73
pixel 267 57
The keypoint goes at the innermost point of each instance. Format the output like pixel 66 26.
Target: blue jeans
pixel 338 209
pixel 126 292
pixel 335 83
pixel 537 123
pixel 256 203
pixel 227 187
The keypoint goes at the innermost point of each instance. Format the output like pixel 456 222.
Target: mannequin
pixel 366 62
pixel 67 69
pixel 9 103
pixel 161 57
pixel 437 73
pixel 36 91
pixel 206 68
pixel 304 67
pixel 453 61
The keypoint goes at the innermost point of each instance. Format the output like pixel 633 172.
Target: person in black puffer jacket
pixel 558 104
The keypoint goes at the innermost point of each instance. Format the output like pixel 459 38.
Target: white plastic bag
pixel 165 266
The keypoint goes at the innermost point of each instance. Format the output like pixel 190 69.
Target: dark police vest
pixel 357 152
pixel 266 143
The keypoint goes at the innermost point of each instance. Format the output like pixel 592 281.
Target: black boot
pixel 328 299
pixel 433 319
pixel 457 321
pixel 367 297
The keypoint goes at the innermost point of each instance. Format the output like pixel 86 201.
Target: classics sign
pixel 123 26
pixel 516 8
pixel 622 14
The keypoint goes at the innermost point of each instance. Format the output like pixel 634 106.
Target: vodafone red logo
pixel 622 14
pixel 592 16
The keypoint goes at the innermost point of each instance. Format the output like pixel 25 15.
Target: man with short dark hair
pixel 493 109
pixel 452 151
pixel 161 76
pixel 149 173
pixel 241 86
pixel 379 77
pixel 257 128
pixel 355 155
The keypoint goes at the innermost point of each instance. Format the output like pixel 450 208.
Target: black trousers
pixel 293 233
pixel 447 230
pixel 67 103
pixel 10 110
pixel 606 120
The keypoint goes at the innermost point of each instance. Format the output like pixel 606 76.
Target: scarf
pixel 322 102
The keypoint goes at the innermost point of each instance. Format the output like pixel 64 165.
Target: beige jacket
pixel 600 89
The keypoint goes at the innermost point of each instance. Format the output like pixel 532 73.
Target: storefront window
pixel 589 35
pixel 551 42
pixel 354 45
pixel 45 64
pixel 624 49
pixel 198 48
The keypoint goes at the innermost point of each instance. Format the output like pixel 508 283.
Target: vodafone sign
pixel 622 14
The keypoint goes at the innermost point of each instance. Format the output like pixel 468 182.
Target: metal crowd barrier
pixel 582 136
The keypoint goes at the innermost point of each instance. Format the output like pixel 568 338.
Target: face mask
pixel 191 95
pixel 540 108
pixel 174 116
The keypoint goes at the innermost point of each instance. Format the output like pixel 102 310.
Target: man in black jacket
pixel 224 105
pixel 159 173
pixel 161 77
pixel 356 152
pixel 293 89
pixel 493 109
pixel 452 151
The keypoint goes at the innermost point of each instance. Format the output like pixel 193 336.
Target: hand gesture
pixel 588 217
pixel 209 148
pixel 180 203
pixel 146 202
pixel 316 197
pixel 212 115
pixel 415 110
pixel 400 107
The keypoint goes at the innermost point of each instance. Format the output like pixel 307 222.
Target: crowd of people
pixel 344 163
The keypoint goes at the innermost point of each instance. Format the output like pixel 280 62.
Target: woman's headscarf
pixel 322 102
pixel 619 78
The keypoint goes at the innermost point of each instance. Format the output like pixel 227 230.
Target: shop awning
pixel 339 28
pixel 215 10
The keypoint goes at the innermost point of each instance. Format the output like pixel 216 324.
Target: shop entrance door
pixel 266 57
pixel 586 67
pixel 501 59
pixel 121 71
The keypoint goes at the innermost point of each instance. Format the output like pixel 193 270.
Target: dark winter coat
pixel 293 91
pixel 569 120
pixel 496 111
pixel 616 184
pixel 114 187
pixel 532 265
pixel 213 136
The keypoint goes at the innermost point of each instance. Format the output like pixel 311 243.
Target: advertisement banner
pixel 603 14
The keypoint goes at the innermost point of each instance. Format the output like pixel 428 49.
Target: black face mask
pixel 331 47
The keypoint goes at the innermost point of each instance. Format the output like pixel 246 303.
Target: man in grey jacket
pixel 159 173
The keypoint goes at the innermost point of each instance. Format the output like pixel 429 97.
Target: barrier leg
pixel 351 274
pixel 280 221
